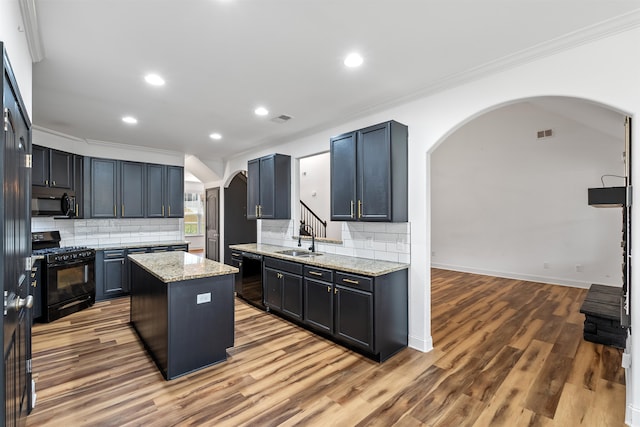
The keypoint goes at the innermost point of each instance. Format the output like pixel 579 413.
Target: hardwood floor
pixel 507 353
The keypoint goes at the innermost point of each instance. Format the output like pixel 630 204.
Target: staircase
pixel 310 218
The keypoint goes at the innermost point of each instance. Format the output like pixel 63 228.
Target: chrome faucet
pixel 303 227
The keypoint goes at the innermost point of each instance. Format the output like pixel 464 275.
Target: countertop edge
pixel 184 277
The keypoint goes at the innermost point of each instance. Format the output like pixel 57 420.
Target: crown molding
pixel 32 29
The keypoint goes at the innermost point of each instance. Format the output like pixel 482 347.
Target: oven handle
pixel 71 304
pixel 72 263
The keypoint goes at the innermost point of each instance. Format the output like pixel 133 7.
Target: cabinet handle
pixel 169 210
pixel 114 211
pixel 335 291
pixel 359 208
pixel 234 254
pixel 352 209
pixel 123 209
pixel 46 182
pixel 353 282
pixel 76 209
pixel 239 264
pixel 34 283
pixel 260 211
pixel 280 276
pixel 162 210
pixel 315 273
pixel 329 289
pixel 256 211
pixel 53 183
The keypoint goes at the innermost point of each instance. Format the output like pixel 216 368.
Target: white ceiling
pixel 223 58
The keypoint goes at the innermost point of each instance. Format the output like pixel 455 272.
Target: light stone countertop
pixel 179 266
pixel 365 266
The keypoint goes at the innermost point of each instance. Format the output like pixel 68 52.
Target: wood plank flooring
pixel 507 353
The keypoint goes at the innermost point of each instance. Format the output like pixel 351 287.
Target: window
pixel 193 214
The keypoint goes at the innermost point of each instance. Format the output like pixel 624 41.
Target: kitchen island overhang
pixel 182 308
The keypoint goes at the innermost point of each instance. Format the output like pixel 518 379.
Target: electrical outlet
pixel 545 265
pixel 433 253
pixel 578 268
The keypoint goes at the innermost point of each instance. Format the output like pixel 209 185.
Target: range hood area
pixel 609 197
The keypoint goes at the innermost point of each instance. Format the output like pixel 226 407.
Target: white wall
pixel 13 37
pixel 315 179
pixel 604 70
pixel 507 204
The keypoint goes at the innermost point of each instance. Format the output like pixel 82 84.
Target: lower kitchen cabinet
pixel 282 284
pixel 367 314
pixel 113 269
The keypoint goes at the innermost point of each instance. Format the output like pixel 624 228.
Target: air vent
pixel 282 118
pixel 545 133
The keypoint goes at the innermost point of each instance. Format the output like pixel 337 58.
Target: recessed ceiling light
pixel 154 79
pixel 130 120
pixel 261 111
pixel 353 60
pixel 215 136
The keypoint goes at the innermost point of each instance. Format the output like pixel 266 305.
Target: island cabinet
pixel 366 313
pixel 182 308
pixel 282 281
pixel 269 187
pixel 369 174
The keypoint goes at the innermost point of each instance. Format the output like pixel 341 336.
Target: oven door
pixel 70 282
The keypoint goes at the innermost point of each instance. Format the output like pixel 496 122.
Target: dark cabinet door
pixel 155 191
pixel 292 295
pixel 78 184
pixel 40 166
pixel 318 305
pixel 272 289
pixel 175 192
pixel 343 177
pixel 114 276
pixel 374 173
pixel 104 197
pixel 354 316
pixel 132 189
pixel 267 187
pixel 61 169
pixel 253 188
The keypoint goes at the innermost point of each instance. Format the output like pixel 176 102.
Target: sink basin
pixel 298 253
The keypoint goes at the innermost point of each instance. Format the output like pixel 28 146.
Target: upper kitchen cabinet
pixel 175 192
pixel 369 174
pixel 164 191
pixel 132 189
pixel 104 188
pixel 269 187
pixel 52 168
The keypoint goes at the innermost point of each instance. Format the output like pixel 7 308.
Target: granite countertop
pixel 141 244
pixel 179 266
pixel 369 267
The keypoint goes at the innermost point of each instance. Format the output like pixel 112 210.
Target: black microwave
pixel 63 205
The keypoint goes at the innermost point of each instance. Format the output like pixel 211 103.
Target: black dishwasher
pixel 249 280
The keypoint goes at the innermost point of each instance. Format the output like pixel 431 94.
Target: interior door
pixel 16 327
pixel 213 224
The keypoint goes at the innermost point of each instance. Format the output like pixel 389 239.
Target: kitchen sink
pixel 298 253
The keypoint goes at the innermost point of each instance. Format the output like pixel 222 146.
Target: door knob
pixel 24 302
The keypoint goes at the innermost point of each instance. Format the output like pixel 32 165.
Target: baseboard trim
pixel 420 344
pixel 515 276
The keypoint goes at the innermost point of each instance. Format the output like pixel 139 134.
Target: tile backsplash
pixel 88 232
pixel 373 240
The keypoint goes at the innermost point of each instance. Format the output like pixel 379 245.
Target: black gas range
pixel 68 279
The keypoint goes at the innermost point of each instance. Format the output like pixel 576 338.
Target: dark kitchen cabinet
pixel 318 299
pixel 369 174
pixel 52 168
pixel 104 188
pixel 354 316
pixel 132 188
pixel 175 192
pixel 282 281
pixel 269 187
pixel 78 184
pixel 164 191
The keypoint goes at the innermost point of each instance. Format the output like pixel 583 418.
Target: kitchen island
pixel 182 308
